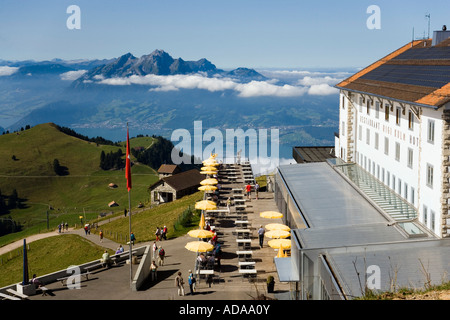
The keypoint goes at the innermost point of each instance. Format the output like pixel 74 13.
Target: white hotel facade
pixel 395 124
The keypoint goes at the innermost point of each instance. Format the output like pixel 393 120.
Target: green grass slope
pixel 83 192
pixel 48 255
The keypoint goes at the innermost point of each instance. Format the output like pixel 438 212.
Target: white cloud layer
pixel 7 71
pixel 306 83
pixel 72 75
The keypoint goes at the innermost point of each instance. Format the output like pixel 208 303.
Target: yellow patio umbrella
pixel 202 221
pixel 281 253
pixel 199 233
pixel 205 205
pixel 277 234
pixel 277 226
pixel 271 214
pixel 209 168
pixel 199 246
pixel 277 243
pixel 208 172
pixel 207 188
pixel 209 182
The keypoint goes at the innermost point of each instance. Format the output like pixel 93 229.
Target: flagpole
pixel 129 224
pixel 128 176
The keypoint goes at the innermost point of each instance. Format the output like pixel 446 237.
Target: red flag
pixel 128 164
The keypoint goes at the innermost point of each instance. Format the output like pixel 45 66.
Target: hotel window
pixel 425 215
pixel 410 158
pixel 405 190
pixel 397 116
pixel 361 101
pixel 368 106
pixel 432 218
pixel 377 109
pixel 368 136
pixel 382 175
pixel 430 136
pixel 397 151
pixel 386 146
pixel 388 178
pixel 429 175
pixel 377 138
pixel 393 182
pixel 399 186
pixel 413 195
pixel 410 120
pixel 343 102
pixel 360 133
pixel 378 171
pixel 343 128
pixel 386 112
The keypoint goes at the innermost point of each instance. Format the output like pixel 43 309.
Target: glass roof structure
pixel 389 201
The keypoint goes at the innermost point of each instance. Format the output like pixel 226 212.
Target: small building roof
pixel 312 154
pixel 169 169
pixel 182 181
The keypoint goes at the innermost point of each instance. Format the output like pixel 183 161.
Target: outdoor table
pixel 244 253
pixel 246 263
pixel 244 242
pixel 244 233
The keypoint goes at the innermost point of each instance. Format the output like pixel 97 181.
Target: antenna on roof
pixel 429 22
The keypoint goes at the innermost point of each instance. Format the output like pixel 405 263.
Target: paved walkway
pixel 229 284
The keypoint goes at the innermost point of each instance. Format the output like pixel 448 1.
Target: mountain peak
pixel 160 62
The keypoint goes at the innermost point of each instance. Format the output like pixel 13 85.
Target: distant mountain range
pixel 157 94
pixel 161 63
pixel 158 62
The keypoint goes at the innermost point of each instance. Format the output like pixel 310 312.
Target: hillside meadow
pixel 59 252
pixel 27 166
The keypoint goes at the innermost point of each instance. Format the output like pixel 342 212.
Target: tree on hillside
pixel 59 169
pixel 13 200
pixel 112 160
pixel 3 207
pixel 159 153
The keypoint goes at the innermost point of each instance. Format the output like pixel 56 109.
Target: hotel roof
pixel 416 73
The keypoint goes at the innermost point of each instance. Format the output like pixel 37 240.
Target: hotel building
pixel 373 214
pixel 395 124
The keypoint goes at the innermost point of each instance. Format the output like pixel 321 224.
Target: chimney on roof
pixel 439 36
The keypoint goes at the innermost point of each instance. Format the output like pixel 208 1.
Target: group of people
pixel 63 225
pixel 158 253
pixel 161 233
pixel 179 283
pixel 248 190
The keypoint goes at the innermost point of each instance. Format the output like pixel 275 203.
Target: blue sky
pixel 229 33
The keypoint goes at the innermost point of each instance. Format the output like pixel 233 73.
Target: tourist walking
pixel 164 233
pixel 179 283
pixel 191 282
pixel 261 232
pixel 161 255
pixel 132 238
pixel 153 269
pixel 158 233
pixel 155 250
pixel 248 189
pixel 256 190
pixel 101 235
